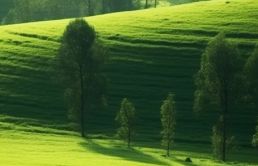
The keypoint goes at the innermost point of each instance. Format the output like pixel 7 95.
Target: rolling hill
pixel 152 52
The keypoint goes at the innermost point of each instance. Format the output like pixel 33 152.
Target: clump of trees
pixel 168 121
pixel 219 81
pixel 79 65
pixel 126 118
pixel 20 11
pixel 36 10
pixel 221 65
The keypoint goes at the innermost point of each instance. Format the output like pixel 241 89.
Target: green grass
pixel 20 148
pixel 152 52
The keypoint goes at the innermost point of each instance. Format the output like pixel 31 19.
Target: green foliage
pixel 168 121
pixel 221 65
pixel 216 80
pixel 217 140
pixel 28 10
pixel 118 5
pixel 255 138
pixel 250 71
pixel 126 118
pixel 34 10
pixel 5 6
pixel 79 64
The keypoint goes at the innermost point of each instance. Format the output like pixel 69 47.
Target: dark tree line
pixel 36 10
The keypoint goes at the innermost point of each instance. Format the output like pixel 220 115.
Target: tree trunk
pixel 146 4
pixel 90 8
pixel 103 6
pixel 168 149
pixel 82 103
pixel 129 139
pixel 224 124
pixel 156 3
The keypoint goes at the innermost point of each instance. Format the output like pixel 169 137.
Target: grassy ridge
pixel 152 52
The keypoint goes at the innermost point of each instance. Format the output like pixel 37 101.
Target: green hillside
pixel 152 52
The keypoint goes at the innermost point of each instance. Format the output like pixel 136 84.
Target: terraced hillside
pixel 152 52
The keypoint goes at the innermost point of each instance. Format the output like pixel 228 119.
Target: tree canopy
pixel 79 65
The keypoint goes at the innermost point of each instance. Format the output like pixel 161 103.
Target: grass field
pixel 152 52
pixel 68 149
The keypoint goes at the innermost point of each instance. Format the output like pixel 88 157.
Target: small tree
pixel 250 70
pixel 216 80
pixel 255 138
pixel 168 121
pixel 126 118
pixel 79 65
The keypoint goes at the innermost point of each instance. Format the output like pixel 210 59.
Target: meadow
pixel 151 52
pixel 20 148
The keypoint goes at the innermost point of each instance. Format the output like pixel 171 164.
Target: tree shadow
pixel 122 152
pixel 184 162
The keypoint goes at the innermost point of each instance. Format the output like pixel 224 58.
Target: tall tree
pixel 90 8
pixel 168 121
pixel 126 118
pixel 250 72
pixel 216 80
pixel 146 4
pixel 156 2
pixel 79 63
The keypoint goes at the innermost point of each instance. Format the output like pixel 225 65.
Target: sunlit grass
pixel 30 149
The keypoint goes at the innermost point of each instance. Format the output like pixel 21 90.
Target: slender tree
pixel 220 67
pixel 156 2
pixel 168 121
pixel 79 65
pixel 250 72
pixel 146 4
pixel 90 8
pixel 126 118
pixel 255 138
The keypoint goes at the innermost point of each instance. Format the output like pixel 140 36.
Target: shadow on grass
pixel 122 152
pixel 184 163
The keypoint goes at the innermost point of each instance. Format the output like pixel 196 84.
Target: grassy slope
pixel 21 149
pixel 152 52
pixel 30 149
